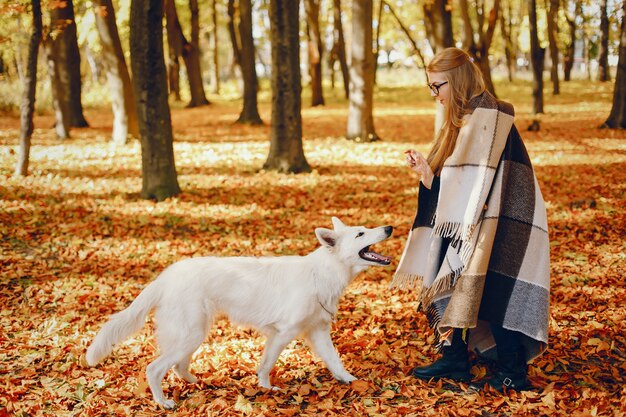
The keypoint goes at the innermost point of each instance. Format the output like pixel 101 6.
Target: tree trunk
pixel 339 46
pixel 250 111
pixel 216 55
pixel 480 50
pixel 27 107
pixel 537 55
pixel 191 56
pixel 122 97
pixel 150 88
pixel 286 153
pixel 604 73
pixel 59 93
pixel 568 62
pixel 188 51
pixel 554 49
pixel 315 52
pixel 66 55
pixel 438 23
pixel 233 35
pixel 617 118
pixel 360 118
pixel 506 28
pixel 379 19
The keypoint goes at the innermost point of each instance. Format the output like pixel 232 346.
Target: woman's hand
pixel 419 165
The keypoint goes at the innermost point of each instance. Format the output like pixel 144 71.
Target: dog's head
pixel 352 243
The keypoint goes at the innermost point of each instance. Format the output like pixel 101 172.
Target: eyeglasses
pixel 435 87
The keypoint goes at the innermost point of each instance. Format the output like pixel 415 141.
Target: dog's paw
pixel 168 404
pixel 346 379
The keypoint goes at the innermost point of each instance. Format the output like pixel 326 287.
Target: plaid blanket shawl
pixel 478 251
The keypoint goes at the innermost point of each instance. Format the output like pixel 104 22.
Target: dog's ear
pixel 337 224
pixel 327 237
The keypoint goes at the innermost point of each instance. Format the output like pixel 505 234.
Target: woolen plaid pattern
pixel 478 250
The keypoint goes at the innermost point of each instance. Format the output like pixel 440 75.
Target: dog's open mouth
pixel 371 256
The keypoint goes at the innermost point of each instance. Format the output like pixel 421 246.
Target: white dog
pixel 283 297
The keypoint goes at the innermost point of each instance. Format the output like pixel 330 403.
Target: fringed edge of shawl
pixel 406 281
pixel 454 230
pixel 445 283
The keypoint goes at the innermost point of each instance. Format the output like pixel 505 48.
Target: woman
pixel 478 249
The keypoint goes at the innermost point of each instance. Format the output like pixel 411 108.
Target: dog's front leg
pixel 322 345
pixel 276 343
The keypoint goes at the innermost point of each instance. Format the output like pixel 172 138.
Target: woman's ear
pixel 327 237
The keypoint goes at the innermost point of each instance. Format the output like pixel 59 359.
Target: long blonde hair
pixel 465 82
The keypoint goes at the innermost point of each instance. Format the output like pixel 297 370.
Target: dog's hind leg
pixel 319 340
pixel 276 343
pixel 182 370
pixel 179 335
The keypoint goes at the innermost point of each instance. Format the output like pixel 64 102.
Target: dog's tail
pixel 122 325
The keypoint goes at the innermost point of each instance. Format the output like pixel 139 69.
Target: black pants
pixel 507 341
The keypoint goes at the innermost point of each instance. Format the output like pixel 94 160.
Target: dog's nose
pixel 389 230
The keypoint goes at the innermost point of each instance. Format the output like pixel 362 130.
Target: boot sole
pixel 456 376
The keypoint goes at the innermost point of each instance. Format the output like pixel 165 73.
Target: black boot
pixel 453 364
pixel 512 372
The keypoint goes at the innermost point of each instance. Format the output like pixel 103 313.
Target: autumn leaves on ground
pixel 78 244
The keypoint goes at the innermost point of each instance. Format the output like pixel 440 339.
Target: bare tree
pixel 286 152
pixel 508 31
pixel 188 50
pixel 568 61
pixel 250 111
pixel 617 118
pixel 27 107
pixel 64 51
pixel 554 48
pixel 438 23
pixel 604 73
pixel 537 54
pixel 338 52
pixel 233 34
pixel 150 87
pixel 360 116
pixel 478 42
pixel 122 97
pixel 216 66
pixel 315 51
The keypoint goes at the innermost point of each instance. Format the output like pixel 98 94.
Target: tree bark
pixel 604 73
pixel 537 54
pixel 339 47
pixel 438 23
pixel 59 93
pixel 617 118
pixel 315 51
pixel 480 50
pixel 379 19
pixel 150 88
pixel 360 117
pixel 189 51
pixel 27 107
pixel 286 152
pixel 250 111
pixel 122 96
pixel 233 35
pixel 568 61
pixel 554 49
pixel 64 49
pixel 506 28
pixel 191 56
pixel 216 55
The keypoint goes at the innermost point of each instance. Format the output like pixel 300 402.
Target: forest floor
pixel 78 244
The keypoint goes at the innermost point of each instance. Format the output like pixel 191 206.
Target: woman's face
pixel 439 87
